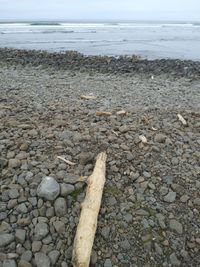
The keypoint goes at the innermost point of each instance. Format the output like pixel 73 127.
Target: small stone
pixel 174 260
pixel 184 198
pixel 160 138
pixel 105 231
pixel 21 208
pixel 6 239
pixel 3 163
pixel 20 235
pixel 41 230
pixel 176 226
pixel 24 221
pixel 23 263
pixel 170 197
pixel 66 189
pixel 14 163
pixel 85 157
pixel 107 263
pixel 3 216
pixel 54 255
pixel 197 201
pixel 48 188
pixel 36 246
pixel 128 217
pixel 161 220
pixel 13 193
pixel 60 206
pixel 59 226
pixel 50 212
pixel 9 263
pixel 163 190
pixel 24 147
pixel 146 174
pixel 27 255
pixel 158 249
pixel 125 245
pixel 42 260
pixel 168 179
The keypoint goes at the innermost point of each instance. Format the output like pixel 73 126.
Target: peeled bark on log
pixel 87 225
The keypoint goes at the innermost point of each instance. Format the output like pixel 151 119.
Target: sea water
pixel 152 40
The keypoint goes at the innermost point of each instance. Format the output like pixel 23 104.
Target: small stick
pixel 66 161
pixel 121 112
pixel 180 117
pixel 88 97
pixel 103 113
pixel 87 225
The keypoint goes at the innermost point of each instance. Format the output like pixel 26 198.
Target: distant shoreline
pixel 73 60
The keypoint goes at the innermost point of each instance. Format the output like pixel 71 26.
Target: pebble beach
pixel 150 212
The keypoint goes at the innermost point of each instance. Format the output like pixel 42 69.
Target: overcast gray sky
pixel 100 9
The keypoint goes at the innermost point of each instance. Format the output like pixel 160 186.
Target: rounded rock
pixel 48 188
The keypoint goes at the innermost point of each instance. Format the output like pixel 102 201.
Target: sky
pixel 100 9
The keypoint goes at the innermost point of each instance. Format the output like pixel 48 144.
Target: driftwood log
pixel 87 225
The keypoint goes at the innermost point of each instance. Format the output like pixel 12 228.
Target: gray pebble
pixel 60 207
pixel 23 263
pixel 14 163
pixel 36 246
pixel 48 188
pixel 41 230
pixel 66 189
pixel 9 263
pixel 6 239
pixel 13 193
pixel 170 197
pixel 20 235
pixel 160 138
pixel 21 208
pixel 42 260
pixel 105 231
pixel 108 263
pixel 174 260
pixel 176 226
pixel 27 255
pixel 59 227
pixel 54 255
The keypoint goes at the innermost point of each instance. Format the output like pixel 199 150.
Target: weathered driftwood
pixel 87 225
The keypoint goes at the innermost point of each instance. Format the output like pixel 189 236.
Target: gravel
pixel 150 207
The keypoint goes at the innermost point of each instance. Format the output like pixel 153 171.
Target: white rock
pixel 48 188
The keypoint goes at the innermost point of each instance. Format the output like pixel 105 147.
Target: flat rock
pixel 59 226
pixel 9 263
pixel 176 226
pixel 66 189
pixel 174 260
pixel 85 157
pixel 54 255
pixel 6 239
pixel 14 163
pixel 41 230
pixel 23 263
pixel 170 197
pixel 42 260
pixel 48 188
pixel 20 235
pixel 160 138
pixel 60 207
pixel 13 193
